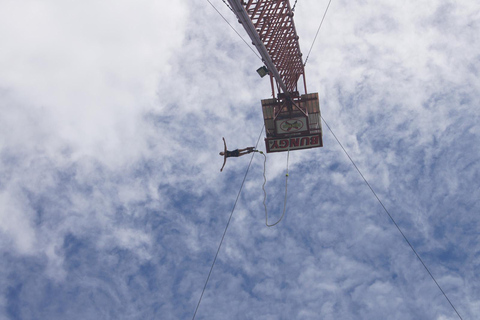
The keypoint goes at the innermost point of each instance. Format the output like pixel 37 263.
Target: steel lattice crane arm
pixel 292 121
pixel 270 26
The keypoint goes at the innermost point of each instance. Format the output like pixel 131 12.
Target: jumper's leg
pixel 249 149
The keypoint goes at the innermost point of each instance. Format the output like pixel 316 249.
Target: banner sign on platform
pixel 293 143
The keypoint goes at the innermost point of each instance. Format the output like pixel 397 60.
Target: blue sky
pixel 112 205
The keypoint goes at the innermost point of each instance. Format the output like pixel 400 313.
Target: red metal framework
pixel 273 20
pixel 292 121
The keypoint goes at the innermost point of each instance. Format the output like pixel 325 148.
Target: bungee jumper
pixel 235 153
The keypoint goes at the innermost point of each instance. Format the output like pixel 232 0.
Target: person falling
pixel 235 153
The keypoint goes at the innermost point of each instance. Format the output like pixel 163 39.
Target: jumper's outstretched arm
pixel 224 161
pixel 224 154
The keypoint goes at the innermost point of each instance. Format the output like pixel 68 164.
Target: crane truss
pixel 270 26
pixel 292 122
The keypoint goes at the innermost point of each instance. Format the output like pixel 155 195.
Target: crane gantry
pixel 292 121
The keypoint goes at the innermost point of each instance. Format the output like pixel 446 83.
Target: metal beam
pixel 247 23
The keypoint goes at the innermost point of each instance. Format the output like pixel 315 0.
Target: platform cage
pixel 294 124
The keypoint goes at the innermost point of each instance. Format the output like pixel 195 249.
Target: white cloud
pixel 16 222
pixel 88 69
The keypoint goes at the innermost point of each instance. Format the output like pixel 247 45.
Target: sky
pixel 112 205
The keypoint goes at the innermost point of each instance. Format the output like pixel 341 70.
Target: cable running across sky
pixel 392 219
pixel 316 35
pixel 238 34
pixel 226 227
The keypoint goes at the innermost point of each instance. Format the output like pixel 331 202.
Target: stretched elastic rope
pixel 265 193
pixel 226 227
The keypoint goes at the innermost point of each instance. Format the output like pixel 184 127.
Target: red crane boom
pixel 291 121
pixel 269 23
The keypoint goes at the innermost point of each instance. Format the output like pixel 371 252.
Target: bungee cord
pixel 265 193
pixel 233 210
